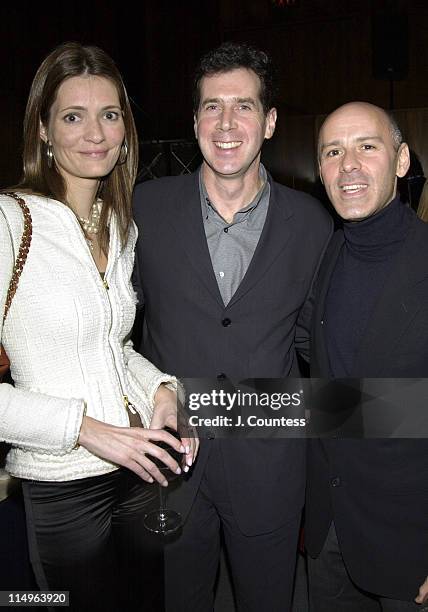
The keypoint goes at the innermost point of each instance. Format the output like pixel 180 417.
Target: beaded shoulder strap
pixel 22 253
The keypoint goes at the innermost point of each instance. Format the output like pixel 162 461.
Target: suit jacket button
pixel 221 376
pixel 335 482
pixel 226 322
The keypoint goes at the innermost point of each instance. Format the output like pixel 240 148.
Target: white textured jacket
pixel 66 336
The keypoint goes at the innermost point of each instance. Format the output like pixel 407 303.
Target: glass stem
pixel 162 498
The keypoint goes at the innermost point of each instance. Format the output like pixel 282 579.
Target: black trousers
pixel 332 590
pixel 16 573
pixel 262 566
pixel 87 537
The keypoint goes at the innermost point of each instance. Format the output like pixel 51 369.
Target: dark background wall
pixel 326 51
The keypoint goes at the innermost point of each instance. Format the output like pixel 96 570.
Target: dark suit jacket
pixel 377 490
pixel 269 315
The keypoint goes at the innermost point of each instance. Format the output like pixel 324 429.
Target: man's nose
pixel 350 162
pixel 226 119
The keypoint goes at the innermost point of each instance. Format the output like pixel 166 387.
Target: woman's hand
pixel 168 413
pixel 130 447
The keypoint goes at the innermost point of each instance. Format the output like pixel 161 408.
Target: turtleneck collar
pixel 379 236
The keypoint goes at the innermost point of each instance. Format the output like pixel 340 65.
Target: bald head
pixel 384 116
pixel 361 154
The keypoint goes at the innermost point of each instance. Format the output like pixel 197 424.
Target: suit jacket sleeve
pixel 304 321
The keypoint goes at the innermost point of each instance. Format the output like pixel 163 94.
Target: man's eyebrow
pixel 337 143
pixel 248 100
pixel 332 143
pixel 363 138
pixel 238 100
pixel 210 100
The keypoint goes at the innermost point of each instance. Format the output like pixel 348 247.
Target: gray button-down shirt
pixel 232 245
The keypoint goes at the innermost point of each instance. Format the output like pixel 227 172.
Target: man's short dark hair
pixel 231 56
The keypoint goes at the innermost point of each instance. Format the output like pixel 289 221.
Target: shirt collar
pixel 208 207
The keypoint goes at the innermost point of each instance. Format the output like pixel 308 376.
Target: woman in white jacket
pixel 86 410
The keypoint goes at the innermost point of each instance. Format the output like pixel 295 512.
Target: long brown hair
pixel 423 203
pixel 69 60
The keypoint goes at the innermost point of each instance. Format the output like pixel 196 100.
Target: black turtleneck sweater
pixel 365 261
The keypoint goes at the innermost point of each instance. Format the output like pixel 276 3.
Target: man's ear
pixel 43 133
pixel 403 160
pixel 270 123
pixel 195 125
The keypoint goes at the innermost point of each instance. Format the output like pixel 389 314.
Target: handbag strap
pixel 22 253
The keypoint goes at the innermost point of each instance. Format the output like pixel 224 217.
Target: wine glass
pixel 164 521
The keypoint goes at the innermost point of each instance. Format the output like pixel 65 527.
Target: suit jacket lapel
pixel 186 216
pixel 274 237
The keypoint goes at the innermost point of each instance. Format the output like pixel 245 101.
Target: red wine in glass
pixel 164 521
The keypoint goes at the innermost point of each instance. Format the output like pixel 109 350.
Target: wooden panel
pixel 324 52
pixel 414 125
pixel 290 154
pixel 322 48
pixel 11 111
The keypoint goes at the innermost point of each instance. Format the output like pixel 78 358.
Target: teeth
pixel 353 187
pixel 227 145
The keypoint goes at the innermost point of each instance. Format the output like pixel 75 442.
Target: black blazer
pixel 377 490
pixel 185 332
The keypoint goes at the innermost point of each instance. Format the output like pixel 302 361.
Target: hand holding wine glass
pixel 168 413
pixel 164 521
pixel 135 448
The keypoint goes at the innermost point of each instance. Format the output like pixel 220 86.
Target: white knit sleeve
pixel 32 420
pixel 148 375
pixel 38 422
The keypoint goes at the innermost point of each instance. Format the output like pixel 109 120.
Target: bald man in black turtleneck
pixel 367 500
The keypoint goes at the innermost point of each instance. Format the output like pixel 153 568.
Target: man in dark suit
pixel 225 261
pixel 367 500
